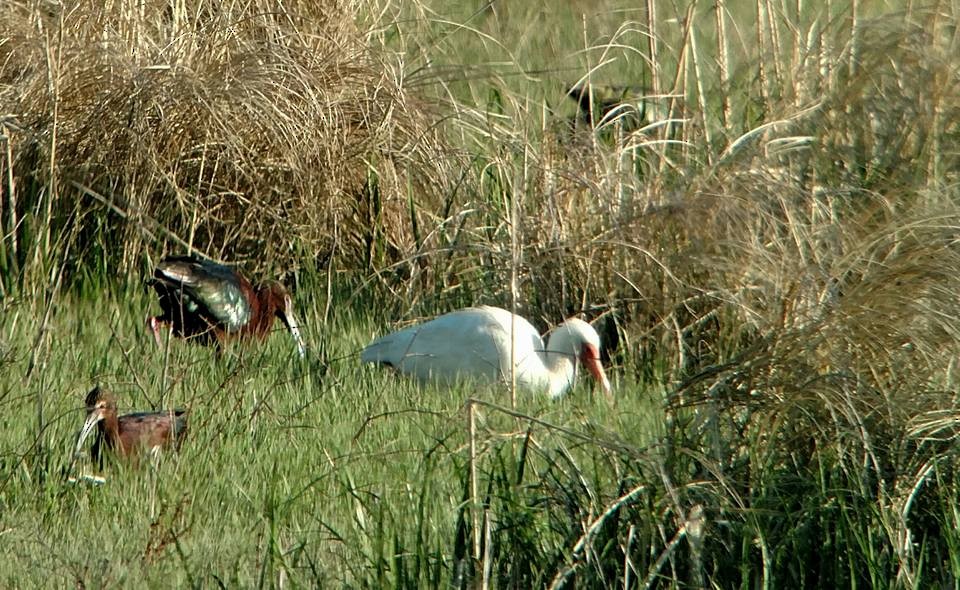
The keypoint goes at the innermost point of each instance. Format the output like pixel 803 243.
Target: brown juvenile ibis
pixel 130 435
pixel 211 303
pixel 475 343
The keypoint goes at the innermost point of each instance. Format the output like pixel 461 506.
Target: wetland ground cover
pixel 762 225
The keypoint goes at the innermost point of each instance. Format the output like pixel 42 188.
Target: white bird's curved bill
pixel 591 360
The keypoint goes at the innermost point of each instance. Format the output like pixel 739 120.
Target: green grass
pixel 328 472
pixel 316 472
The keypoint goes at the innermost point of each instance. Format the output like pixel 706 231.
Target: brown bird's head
pixel 100 404
pixel 99 397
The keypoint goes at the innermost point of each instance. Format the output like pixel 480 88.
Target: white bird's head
pixel 577 338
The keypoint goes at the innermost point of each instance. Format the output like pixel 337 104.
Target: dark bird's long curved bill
pixel 294 328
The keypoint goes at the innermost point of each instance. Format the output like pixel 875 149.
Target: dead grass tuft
pixel 252 134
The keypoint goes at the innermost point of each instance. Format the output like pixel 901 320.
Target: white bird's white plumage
pixel 475 344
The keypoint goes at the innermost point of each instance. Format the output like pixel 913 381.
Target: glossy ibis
pixel 630 104
pixel 131 435
pixel 475 343
pixel 211 303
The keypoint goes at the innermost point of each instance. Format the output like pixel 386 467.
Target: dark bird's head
pixel 276 300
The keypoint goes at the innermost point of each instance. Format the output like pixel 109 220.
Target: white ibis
pixel 475 343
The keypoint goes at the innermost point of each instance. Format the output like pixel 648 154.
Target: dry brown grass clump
pixel 264 133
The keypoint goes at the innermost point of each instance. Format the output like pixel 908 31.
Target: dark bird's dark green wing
pixel 216 291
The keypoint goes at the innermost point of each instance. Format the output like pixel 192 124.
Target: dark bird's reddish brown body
pixel 211 303
pixel 131 435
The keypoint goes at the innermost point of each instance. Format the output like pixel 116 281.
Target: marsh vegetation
pixel 756 203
